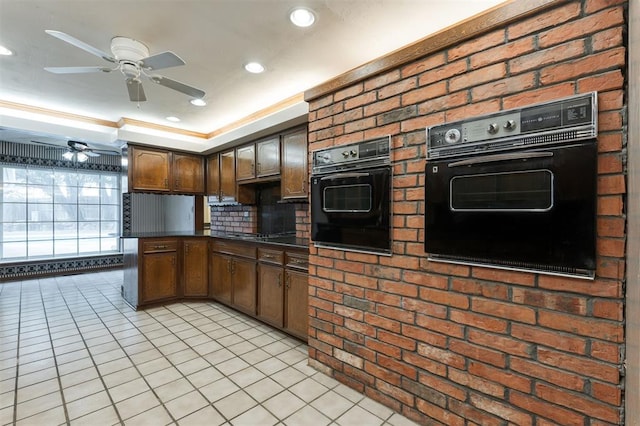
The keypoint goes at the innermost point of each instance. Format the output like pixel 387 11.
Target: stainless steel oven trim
pixel 324 197
pixel 581 273
pixel 345 175
pixel 386 253
pixel 501 157
pixel 502 210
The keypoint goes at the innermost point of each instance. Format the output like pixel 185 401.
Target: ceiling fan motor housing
pixel 129 53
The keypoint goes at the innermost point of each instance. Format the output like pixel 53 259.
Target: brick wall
pixel 454 345
pixel 244 218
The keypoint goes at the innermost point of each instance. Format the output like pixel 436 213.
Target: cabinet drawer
pixel 297 260
pixel 270 256
pixel 159 246
pixel 236 248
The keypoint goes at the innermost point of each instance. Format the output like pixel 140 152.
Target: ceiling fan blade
pixel 162 60
pixel 176 85
pixel 76 70
pixel 90 153
pixel 106 152
pixel 136 92
pixel 81 45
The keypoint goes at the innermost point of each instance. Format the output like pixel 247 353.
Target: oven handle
pixel 345 175
pixel 501 157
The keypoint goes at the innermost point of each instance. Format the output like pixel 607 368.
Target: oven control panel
pixel 511 128
pixel 368 153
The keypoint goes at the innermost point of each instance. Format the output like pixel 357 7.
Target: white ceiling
pixel 215 38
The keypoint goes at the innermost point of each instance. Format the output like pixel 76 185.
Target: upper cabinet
pixel 228 176
pixel 155 170
pixel 294 184
pixel 188 173
pixel 268 157
pixel 149 169
pixel 213 176
pixel 246 162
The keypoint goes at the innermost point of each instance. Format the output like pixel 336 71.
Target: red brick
pixel 481 288
pixel 474 416
pixel 470 381
pixel 382 373
pixel 482 322
pixel 579 403
pixel 350 340
pixel 581 67
pixel 580 365
pixel 356 126
pixel 606 393
pixel 382 106
pixel 600 329
pixel 610 206
pixel 503 310
pixel 578 28
pixel 601 82
pixel 444 268
pixel 381 297
pixel 321 304
pixel 505 86
pixel 485 355
pixel 477 76
pixel 425 364
pixel 549 374
pixel 321 102
pixel 502 376
pixel 329 339
pixel 442 355
pixel 329 295
pixel 609 120
pixel 444 72
pixel 351 290
pixel 542 94
pixel 576 285
pixel 400 367
pixel 605 351
pixel 611 163
pixel 360 327
pixel 500 343
pixel 443 103
pixel 423 335
pixel 544 409
pixel 397 340
pixel 554 17
pixel 439 414
pixel 476 44
pixel 607 39
pixel 444 297
pixel 423 65
pixel 395 392
pixel 432 91
pixel 611 227
pixel 397 314
pixel 510 277
pixel 553 55
pixel 472 110
pixel 320 346
pixel 502 52
pixel 501 409
pixel 609 309
pixel 382 322
pixel 610 247
pixel 399 87
pixel 444 386
pixel 440 326
pixel 348 92
pixel 557 302
pixel 361 280
pixel 609 142
pixel 549 338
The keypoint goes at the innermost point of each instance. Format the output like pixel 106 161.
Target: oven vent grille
pixel 538 139
pixel 516 266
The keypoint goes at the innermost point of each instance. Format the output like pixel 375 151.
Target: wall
pixel 632 316
pixel 244 218
pixel 451 344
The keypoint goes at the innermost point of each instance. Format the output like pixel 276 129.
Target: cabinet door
pixel 159 276
pixel 245 162
pixel 149 170
pixel 220 278
pixel 244 285
pixel 213 176
pixel 271 294
pixel 195 269
pixel 294 165
pixel 296 294
pixel 268 157
pixel 188 173
pixel 228 176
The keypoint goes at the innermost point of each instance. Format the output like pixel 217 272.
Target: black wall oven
pixel 515 189
pixel 351 197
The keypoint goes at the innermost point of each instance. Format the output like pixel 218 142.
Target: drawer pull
pixel 299 262
pixel 160 247
pixel 268 256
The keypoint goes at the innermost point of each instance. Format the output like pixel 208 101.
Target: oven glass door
pixel 352 209
pixel 530 209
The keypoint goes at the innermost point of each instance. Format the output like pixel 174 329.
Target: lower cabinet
pixel 297 294
pixel 195 270
pixel 159 270
pixel 233 277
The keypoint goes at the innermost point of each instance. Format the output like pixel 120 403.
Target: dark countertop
pixel 281 240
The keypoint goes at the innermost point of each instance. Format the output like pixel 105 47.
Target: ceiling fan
pixel 132 59
pixel 79 151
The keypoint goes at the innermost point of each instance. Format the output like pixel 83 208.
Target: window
pixel 51 212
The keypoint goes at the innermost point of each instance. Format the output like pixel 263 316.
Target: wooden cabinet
pixel 187 173
pixel 233 277
pixel 268 157
pixel 271 286
pixel 195 269
pixel 149 169
pixel 246 162
pixel 228 176
pixel 296 320
pixel 159 270
pixel 294 184
pixel 213 176
pixel 155 170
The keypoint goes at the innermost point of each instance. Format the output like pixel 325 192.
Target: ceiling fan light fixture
pixel 254 67
pixel 302 17
pixel 81 157
pixel 5 51
pixel 173 119
pixel 68 155
pixel 198 102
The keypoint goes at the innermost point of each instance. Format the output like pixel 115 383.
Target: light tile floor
pixel 73 352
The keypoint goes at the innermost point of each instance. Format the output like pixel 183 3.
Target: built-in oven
pixel 515 189
pixel 351 197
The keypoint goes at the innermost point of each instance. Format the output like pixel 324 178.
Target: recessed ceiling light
pixel 172 118
pixel 302 17
pixel 198 102
pixel 4 51
pixel 254 67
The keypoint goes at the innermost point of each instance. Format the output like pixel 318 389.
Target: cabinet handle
pixel 186 249
pixel 177 182
pixel 288 281
pixel 233 267
pixel 229 265
pixel 166 183
pixel 159 247
pixel 279 280
pixel 258 167
pixel 268 256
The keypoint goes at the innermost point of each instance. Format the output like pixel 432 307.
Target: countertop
pixel 283 240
